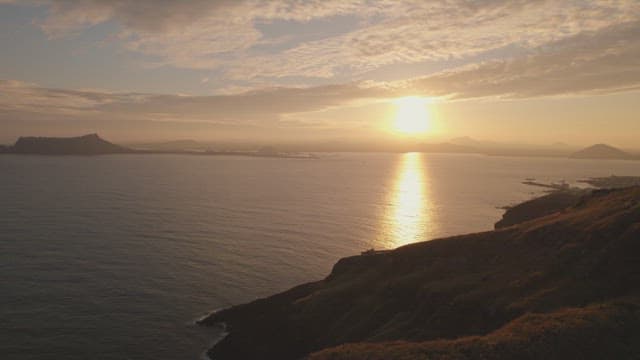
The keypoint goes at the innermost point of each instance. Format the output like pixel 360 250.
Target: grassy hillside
pixel 541 287
pixel 599 331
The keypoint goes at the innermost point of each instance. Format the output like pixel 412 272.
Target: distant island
pixel 602 151
pixel 559 280
pixel 92 144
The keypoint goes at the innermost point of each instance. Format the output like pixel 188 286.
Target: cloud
pixel 197 34
pixel 597 62
pixel 223 35
pixel 253 51
pixel 601 61
pixel 439 31
pixel 253 106
pixel 21 96
pixel 30 109
pixel 604 59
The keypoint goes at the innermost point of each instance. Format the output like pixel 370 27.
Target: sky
pixel 534 72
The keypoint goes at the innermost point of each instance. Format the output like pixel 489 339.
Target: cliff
pixel 565 285
pixel 82 145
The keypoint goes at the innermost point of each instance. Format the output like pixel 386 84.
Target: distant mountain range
pixel 447 148
pixel 175 145
pixel 93 144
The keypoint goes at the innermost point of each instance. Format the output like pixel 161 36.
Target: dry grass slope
pixel 547 286
pixel 600 331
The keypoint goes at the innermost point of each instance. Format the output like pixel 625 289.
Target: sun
pixel 412 115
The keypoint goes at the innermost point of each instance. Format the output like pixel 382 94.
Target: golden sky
pixel 512 71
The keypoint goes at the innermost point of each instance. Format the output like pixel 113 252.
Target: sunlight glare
pixel 409 219
pixel 412 115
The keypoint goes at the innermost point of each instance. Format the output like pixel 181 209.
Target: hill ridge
pixel 463 286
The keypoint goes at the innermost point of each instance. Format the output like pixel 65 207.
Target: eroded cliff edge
pixel 563 285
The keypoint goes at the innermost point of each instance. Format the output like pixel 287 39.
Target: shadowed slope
pixel 540 206
pixel 599 331
pixel 453 288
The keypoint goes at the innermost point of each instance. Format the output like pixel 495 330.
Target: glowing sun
pixel 412 115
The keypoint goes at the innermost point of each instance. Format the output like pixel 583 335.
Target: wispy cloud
pixel 587 63
pixel 252 106
pixel 223 35
pixel 601 61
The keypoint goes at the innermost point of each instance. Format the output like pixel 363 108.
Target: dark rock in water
pixel 541 206
pixel 83 145
pixel 601 151
pixel 561 286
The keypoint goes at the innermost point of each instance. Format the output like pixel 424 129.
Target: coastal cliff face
pixel 565 285
pixel 82 145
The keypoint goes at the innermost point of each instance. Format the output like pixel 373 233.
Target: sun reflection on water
pixel 408 217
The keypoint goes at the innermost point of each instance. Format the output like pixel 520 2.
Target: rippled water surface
pixel 113 257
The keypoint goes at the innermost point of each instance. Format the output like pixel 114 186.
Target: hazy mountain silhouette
pixel 495 148
pixel 601 151
pixel 175 145
pixel 469 141
pixel 541 289
pixel 446 148
pixel 90 144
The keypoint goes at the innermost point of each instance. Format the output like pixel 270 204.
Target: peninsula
pixel 560 284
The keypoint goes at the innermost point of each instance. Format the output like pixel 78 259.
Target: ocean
pixel 115 257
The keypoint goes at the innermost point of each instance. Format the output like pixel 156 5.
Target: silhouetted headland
pixel 560 284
